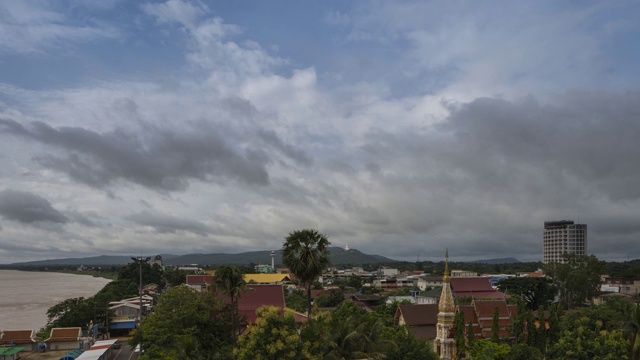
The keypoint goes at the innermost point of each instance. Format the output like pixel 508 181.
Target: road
pixel 125 352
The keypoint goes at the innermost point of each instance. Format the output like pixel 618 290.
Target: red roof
pixel 418 314
pixel 476 287
pixel 64 334
pixel 257 295
pixel 199 279
pixel 421 319
pixel 17 337
pixel 475 284
pixel 485 308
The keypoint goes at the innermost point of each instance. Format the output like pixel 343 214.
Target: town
pixel 308 308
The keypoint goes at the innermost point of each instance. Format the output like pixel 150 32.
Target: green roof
pixel 10 350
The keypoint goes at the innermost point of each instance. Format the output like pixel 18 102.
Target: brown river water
pixel 25 296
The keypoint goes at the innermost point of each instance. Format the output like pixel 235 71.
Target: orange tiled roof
pixel 17 337
pixel 64 334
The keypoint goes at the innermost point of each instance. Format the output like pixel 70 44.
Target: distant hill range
pixel 339 256
pixel 497 261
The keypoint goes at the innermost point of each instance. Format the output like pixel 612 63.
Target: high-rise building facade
pixel 563 237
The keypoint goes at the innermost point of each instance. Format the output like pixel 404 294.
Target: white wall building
pixel 563 237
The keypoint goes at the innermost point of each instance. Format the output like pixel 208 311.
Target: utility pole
pixel 139 259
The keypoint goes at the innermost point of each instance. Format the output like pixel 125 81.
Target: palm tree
pixel 306 254
pixel 230 280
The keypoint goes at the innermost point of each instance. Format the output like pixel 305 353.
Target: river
pixel 25 296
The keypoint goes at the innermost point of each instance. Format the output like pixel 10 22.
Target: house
pixel 366 300
pixel 421 320
pixel 463 273
pixel 124 317
pixel 23 338
pixel 199 282
pixel 475 287
pixel 400 299
pixel 425 282
pixel 257 295
pixel 625 286
pixel 387 272
pixel 429 297
pixel 64 338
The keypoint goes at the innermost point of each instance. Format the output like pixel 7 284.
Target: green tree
pixel 458 330
pixel 517 326
pixel 151 273
pixel 524 352
pixel 230 280
pixel 330 299
pixel 534 291
pixel 495 326
pixel 471 336
pixel 186 325
pixel 484 349
pixel 554 323
pixel 408 346
pixel 70 313
pixel 174 276
pixel 632 328
pixel 532 331
pixel 306 254
pixel 355 282
pixel 295 300
pixel 576 279
pixel 273 336
pixel 541 332
pixel 354 337
pixel 587 339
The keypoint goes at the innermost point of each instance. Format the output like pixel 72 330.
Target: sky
pixel 396 128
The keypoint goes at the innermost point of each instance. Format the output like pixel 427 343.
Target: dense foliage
pixel 186 325
pixel 535 292
pixel 576 279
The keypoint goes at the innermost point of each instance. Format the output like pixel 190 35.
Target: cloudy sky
pixel 398 128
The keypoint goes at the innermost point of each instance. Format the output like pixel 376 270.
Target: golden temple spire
pixel 446 265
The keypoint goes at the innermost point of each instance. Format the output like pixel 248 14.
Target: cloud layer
pixel 398 129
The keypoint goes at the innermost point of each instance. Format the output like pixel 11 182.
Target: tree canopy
pixel 306 254
pixel 186 325
pixel 535 292
pixel 576 279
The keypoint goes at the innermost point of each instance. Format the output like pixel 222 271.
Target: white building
pixel 563 237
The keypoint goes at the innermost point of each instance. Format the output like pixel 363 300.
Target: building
pixel 65 339
pixel 563 237
pixel 421 320
pixel 444 343
pixel 23 338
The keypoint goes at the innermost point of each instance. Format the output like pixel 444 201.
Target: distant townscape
pixel 438 310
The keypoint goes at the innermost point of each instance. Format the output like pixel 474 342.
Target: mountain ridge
pixel 338 256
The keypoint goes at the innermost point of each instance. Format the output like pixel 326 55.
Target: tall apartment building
pixel 562 237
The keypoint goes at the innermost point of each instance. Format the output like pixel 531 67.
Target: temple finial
pixel 446 263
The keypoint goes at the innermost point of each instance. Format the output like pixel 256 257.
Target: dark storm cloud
pixel 158 159
pixel 163 223
pixel 506 146
pixel 26 207
pixel 494 170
